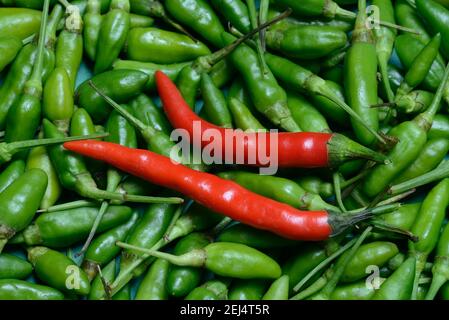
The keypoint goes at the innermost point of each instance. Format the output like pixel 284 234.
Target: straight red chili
pixel 222 196
pixel 294 149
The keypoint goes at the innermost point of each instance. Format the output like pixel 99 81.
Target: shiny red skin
pixel 222 196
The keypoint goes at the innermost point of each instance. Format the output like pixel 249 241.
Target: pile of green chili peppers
pixel 62 215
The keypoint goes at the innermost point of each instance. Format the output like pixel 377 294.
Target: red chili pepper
pixel 294 149
pixel 222 196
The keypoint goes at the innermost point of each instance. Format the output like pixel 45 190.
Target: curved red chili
pixel 294 149
pixel 222 196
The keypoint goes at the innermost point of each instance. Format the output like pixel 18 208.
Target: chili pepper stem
pixel 253 18
pixel 396 198
pixel 106 287
pixel 441 172
pixel 87 190
pixel 425 119
pixel 221 225
pixel 419 267
pixel 341 149
pixel 7 150
pixel 322 265
pixel 70 205
pixel 337 190
pixel 385 227
pixel 341 265
pixel 194 258
pixel 327 93
pixel 126 275
pixel 113 178
pixel 312 289
pixel 217 56
pixel 2 244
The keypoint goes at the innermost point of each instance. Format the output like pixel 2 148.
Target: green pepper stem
pixel 142 127
pixel 65 3
pixel 221 225
pixel 337 190
pixel 396 198
pixel 323 264
pixel 385 227
pixel 70 205
pixel 342 263
pixel 421 259
pixel 53 21
pixel 126 275
pixel 106 286
pixel 217 56
pixel 251 4
pixel 29 39
pixel 194 258
pixel 36 76
pixel 19 145
pixel 383 67
pixel 263 17
pixel 312 289
pixel 441 172
pixel 327 93
pixel 425 119
pixel 2 244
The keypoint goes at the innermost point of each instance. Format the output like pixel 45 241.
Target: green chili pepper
pixel 143 108
pixel 10 47
pixel 353 291
pixel 199 16
pixel 278 289
pixel 11 289
pixel 408 17
pixel 12 267
pixel 279 189
pixel 437 17
pixel 19 203
pixel 38 159
pixel 385 42
pixel 315 8
pixel 420 66
pixel 160 46
pixel 11 173
pixel 361 78
pixel 92 24
pixel 268 97
pixel 242 116
pixel 440 127
pixel 414 102
pixel 64 228
pixel 139 21
pixel 235 11
pixel 24 116
pixel 112 35
pixel 440 269
pixel 102 250
pixel 153 285
pixel 182 280
pixel 305 114
pixel 338 24
pixel 260 239
pixel 149 68
pixel 120 85
pixel 444 292
pixel 306 42
pixel 402 218
pixel 133 186
pixel 215 105
pixel 374 253
pixel 314 184
pixel 58 105
pixel 146 233
pixel 427 227
pixel 69 47
pixel 20 22
pixel 408 47
pixel 58 271
pixel 399 285
pixel 223 258
pixel 431 155
pixel 412 137
pixel 210 290
pixel 252 289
